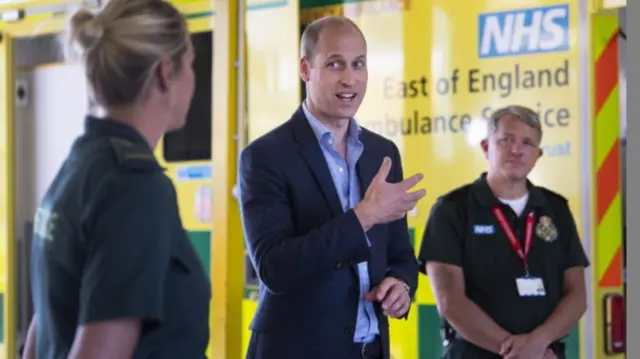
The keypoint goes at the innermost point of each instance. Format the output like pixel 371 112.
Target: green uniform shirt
pixel 109 243
pixel 462 230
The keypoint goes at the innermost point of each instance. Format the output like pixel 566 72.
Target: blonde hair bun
pixel 121 44
pixel 85 30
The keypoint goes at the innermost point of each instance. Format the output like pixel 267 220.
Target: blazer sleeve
pixel 282 260
pixel 402 262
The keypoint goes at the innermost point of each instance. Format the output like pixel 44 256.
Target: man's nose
pixel 517 148
pixel 348 78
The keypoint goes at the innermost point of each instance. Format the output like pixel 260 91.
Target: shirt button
pixel 340 169
pixel 348 331
pixel 330 141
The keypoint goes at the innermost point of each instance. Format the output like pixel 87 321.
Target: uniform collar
pixel 109 128
pixel 485 196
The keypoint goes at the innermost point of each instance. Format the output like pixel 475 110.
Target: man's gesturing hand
pixel 386 202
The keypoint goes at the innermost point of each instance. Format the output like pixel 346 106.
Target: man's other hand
pixel 524 346
pixel 393 295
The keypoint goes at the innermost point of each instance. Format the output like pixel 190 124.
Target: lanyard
pixel 513 240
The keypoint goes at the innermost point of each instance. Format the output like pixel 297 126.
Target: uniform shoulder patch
pixel 133 156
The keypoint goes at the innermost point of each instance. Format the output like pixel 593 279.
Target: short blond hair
pixel 525 114
pixel 122 45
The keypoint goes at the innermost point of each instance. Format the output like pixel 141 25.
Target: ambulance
pixel 437 69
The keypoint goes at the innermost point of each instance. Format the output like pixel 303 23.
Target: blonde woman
pixel 113 273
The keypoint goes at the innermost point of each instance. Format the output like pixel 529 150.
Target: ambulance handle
pixel 614 323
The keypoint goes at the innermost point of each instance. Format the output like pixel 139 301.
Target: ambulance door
pixel 272 93
pixel 609 44
pixel 50 104
pixel 7 198
pixel 186 153
pixel 44 103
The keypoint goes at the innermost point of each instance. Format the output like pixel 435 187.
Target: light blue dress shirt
pixel 345 179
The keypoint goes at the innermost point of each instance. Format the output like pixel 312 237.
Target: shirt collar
pixel 109 128
pixel 485 196
pixel 320 130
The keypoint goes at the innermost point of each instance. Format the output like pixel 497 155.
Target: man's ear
pixel 305 68
pixel 484 144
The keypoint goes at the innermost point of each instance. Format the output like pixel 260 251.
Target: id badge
pixel 530 287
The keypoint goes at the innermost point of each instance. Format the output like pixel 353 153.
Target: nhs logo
pixel 483 229
pixel 522 32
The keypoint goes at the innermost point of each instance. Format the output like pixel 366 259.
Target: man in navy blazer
pixel 324 211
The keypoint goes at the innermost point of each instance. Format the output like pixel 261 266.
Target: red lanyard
pixel 513 240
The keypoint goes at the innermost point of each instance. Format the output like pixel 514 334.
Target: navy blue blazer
pixel 305 248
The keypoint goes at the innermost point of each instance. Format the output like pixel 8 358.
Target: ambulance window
pixel 193 141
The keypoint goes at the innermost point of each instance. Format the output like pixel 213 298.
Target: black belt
pixel 371 350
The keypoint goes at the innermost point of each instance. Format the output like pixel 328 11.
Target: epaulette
pixel 458 194
pixel 551 195
pixel 133 156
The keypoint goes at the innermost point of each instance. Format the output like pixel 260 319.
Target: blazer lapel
pixel 312 153
pixel 367 167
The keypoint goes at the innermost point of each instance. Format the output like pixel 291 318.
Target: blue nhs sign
pixel 522 32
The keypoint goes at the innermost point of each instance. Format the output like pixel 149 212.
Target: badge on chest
pixel 530 287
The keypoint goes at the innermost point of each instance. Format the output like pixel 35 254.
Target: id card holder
pixel 530 287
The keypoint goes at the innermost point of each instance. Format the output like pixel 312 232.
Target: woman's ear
pixel 164 73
